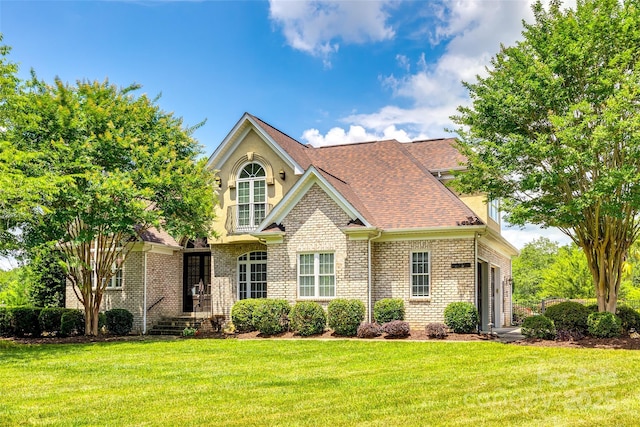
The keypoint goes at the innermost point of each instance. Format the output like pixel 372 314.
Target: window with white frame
pixel 252 197
pixel 420 274
pixel 316 275
pixel 252 275
pixel 494 209
pixel 117 278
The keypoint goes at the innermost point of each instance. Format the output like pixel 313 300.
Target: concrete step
pixel 173 325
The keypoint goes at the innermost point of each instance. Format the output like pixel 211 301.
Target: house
pixel 368 221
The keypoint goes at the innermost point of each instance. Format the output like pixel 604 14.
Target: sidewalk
pixel 508 335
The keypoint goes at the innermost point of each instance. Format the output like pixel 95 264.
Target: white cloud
pixel 317 26
pixel 521 236
pixel 338 135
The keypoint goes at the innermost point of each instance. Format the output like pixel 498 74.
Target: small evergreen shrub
pixel 564 335
pixel 242 314
pixel 72 322
pixel 388 309
pixel 604 325
pixel 593 308
pixel 50 320
pixel 369 330
pixel 461 317
pixel 25 321
pixel 308 318
pixel 436 330
pixel 538 327
pixel 119 321
pixel 569 315
pixel 629 318
pixel 272 316
pixel 345 316
pixel 6 330
pixel 396 329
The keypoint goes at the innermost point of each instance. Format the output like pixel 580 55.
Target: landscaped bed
pixel 315 382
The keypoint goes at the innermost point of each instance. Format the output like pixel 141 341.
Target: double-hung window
pixel 494 210
pixel 316 275
pixel 420 274
pixel 252 197
pixel 117 278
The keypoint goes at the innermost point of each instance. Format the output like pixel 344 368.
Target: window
pixel 116 279
pixel 420 263
pixel 252 275
pixel 316 275
pixel 251 196
pixel 494 209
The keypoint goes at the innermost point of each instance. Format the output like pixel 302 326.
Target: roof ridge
pixel 330 174
pixel 306 146
pixel 346 144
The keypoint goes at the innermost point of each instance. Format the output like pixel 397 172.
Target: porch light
pixel 282 174
pixel 218 181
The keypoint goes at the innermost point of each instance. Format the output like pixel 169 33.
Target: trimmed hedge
pixel 396 329
pixel 6 329
pixel 629 318
pixel 345 316
pixel 604 325
pixel 50 319
pixel 436 330
pixel 308 318
pixel 25 321
pixel 538 327
pixel 569 316
pixel 388 309
pixel 242 314
pixel 271 316
pixel 119 321
pixel 369 330
pixel 72 322
pixel 461 317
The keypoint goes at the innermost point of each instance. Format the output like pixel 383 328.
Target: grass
pixel 313 382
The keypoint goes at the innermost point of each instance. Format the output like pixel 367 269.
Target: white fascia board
pixel 293 197
pixel 233 139
pixel 497 242
pixel 426 233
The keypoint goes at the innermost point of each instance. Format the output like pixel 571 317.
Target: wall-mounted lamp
pixel 218 181
pixel 282 174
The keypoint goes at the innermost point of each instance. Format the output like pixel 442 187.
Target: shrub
pixel 242 314
pixel 436 330
pixel 25 321
pixel 629 318
pixel 345 316
pixel 604 325
pixel 50 319
pixel 538 327
pixel 72 322
pixel 308 318
pixel 369 330
pixel 388 309
pixel 6 329
pixel 461 317
pixel 271 316
pixel 119 321
pixel 564 335
pixel 569 315
pixel 396 329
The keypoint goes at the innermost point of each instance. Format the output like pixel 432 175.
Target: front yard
pixel 315 382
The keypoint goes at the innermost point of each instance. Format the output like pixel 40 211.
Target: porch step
pixel 174 325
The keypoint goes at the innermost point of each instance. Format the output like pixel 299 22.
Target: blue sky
pixel 324 72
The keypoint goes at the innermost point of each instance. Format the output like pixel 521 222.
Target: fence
pixel 523 309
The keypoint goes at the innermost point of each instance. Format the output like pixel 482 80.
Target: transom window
pixel 252 197
pixel 316 275
pixel 420 274
pixel 252 275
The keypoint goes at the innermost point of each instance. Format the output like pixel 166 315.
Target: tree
pixel 122 165
pixel 47 277
pixel 528 268
pixel 554 130
pixel 568 276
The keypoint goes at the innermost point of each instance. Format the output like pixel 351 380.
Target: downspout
pixel 369 278
pixel 144 297
pixel 475 270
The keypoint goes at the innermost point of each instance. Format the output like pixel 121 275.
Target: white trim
pixel 248 262
pixel 311 176
pixel 236 136
pixel 428 274
pixel 316 276
pixel 252 204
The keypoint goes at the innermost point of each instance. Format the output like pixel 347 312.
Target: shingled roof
pixel 390 183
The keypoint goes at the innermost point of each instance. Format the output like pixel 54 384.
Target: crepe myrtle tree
pixel 554 130
pixel 124 166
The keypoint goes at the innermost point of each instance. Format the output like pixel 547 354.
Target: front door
pixel 197 267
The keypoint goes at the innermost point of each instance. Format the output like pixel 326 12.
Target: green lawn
pixel 312 382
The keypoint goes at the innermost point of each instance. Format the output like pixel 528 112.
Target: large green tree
pixel 123 166
pixel 554 130
pixel 529 267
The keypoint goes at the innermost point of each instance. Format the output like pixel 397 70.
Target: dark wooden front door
pixel 197 266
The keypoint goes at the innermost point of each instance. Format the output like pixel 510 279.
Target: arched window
pixel 252 275
pixel 252 197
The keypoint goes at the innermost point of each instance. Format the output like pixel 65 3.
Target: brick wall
pixel 392 278
pixel 164 280
pixel 495 259
pixel 313 225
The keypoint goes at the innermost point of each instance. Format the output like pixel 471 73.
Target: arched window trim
pixel 250 213
pixel 244 161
